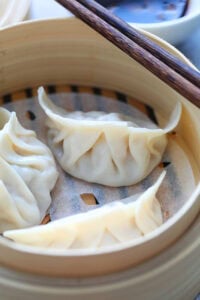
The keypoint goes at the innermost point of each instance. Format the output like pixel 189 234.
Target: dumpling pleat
pixel 18 206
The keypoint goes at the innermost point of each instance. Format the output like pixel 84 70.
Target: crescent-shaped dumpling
pixel 27 175
pixel 114 223
pixel 108 149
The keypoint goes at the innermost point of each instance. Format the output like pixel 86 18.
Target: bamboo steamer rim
pixel 168 231
pixel 153 273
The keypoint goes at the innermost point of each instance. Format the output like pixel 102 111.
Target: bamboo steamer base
pixel 39 53
pixel 174 274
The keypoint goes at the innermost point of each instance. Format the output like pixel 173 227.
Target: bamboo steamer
pixel 67 51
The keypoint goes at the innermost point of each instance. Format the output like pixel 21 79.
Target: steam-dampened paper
pixel 178 184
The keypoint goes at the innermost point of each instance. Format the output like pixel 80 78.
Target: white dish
pixel 12 11
pixel 177 30
pixel 174 31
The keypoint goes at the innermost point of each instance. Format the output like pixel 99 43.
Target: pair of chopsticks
pixel 181 77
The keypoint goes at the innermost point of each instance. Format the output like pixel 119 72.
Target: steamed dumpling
pixel 111 224
pixel 103 148
pixel 27 175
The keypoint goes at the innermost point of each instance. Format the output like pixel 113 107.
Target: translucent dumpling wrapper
pixel 27 175
pixel 104 148
pixel 111 224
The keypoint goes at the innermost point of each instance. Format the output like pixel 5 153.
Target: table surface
pixel 49 9
pixel 191 48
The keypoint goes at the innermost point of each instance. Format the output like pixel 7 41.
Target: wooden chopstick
pixel 173 62
pixel 166 73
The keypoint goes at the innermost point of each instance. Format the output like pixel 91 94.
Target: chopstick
pixel 169 69
pixel 159 52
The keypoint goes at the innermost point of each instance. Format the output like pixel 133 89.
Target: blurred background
pixel 176 21
pixel 141 11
